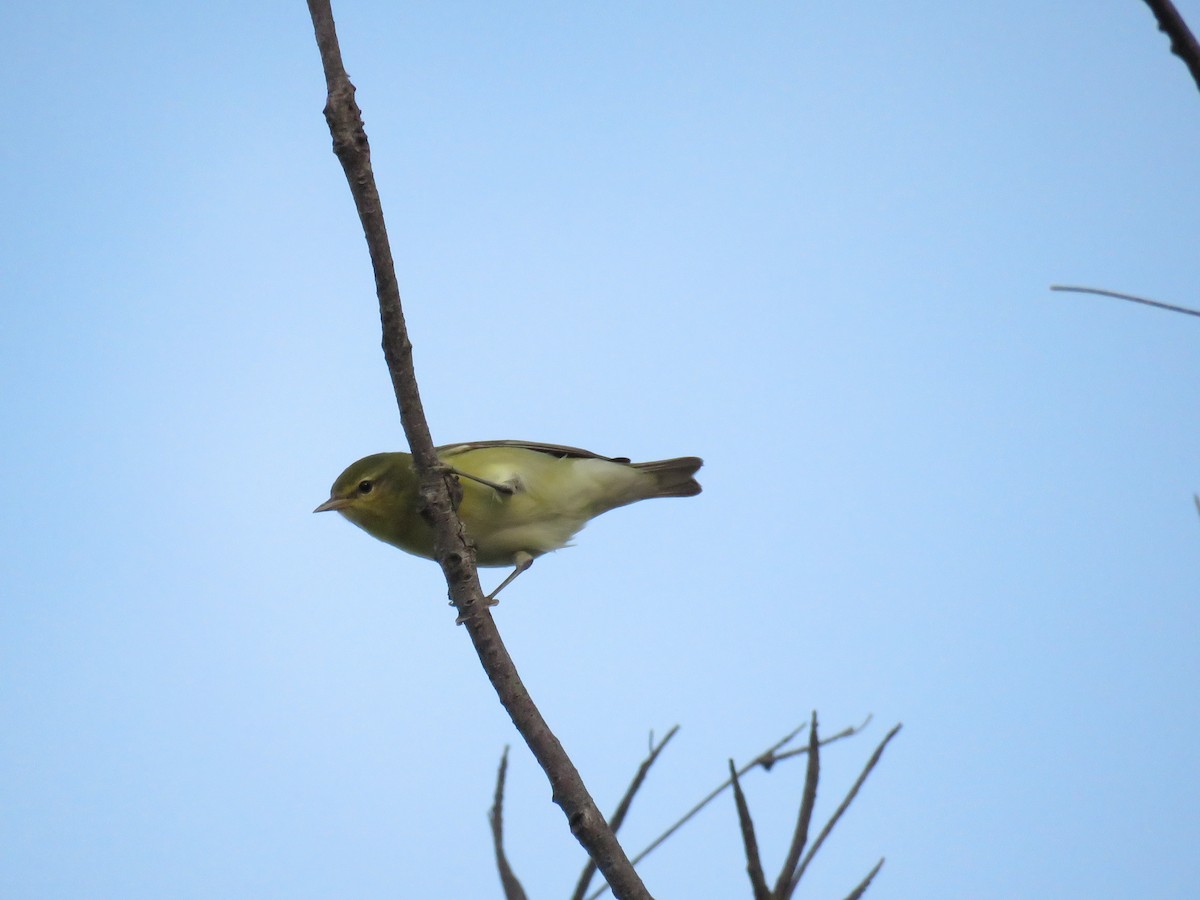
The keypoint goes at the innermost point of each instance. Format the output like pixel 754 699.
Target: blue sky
pixel 810 243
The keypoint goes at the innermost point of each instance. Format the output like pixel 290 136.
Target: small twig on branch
pixel 866 882
pixel 845 804
pixel 784 887
pixel 451 547
pixel 618 818
pixel 512 886
pixel 1132 299
pixel 753 861
pixel 768 760
pixel 1183 42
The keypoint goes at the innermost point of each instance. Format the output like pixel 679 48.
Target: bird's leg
pixel 498 487
pixel 522 561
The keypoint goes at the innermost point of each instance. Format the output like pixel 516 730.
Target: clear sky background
pixel 808 242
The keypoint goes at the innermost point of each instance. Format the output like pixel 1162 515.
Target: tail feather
pixel 673 477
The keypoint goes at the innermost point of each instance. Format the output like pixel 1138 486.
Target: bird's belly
pixel 496 546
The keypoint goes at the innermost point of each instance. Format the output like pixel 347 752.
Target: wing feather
pixel 559 451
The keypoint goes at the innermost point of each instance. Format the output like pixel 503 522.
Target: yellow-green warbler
pixel 519 499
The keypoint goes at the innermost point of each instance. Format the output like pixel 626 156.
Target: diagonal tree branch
pixel 509 881
pixel 438 486
pixel 753 861
pixel 1183 42
pixel 618 818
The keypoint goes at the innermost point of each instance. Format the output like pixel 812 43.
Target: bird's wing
pixel 557 450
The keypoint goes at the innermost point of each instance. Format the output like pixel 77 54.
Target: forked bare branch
pixel 766 760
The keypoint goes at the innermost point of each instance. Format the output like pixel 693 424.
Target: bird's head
pixel 378 494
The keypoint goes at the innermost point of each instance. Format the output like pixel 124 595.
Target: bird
pixel 520 499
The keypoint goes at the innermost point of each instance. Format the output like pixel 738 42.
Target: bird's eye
pixel 364 487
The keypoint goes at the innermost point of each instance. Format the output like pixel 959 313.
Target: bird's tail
pixel 673 477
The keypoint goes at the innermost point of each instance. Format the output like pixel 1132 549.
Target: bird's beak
pixel 333 503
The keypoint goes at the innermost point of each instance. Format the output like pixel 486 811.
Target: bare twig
pixel 1183 42
pixel 512 887
pixel 618 818
pixel 866 882
pixel 1132 299
pixel 784 887
pixel 451 548
pixel 753 861
pixel 845 804
pixel 768 760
